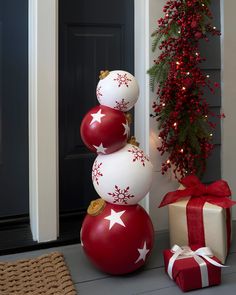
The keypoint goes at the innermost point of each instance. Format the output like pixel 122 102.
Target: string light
pixel 206 116
pixel 208 76
pixel 163 104
pixel 177 63
pixel 175 124
pixel 183 88
pixel 214 28
pixel 168 161
pixel 188 73
pixel 182 150
pixel 211 134
pixel 203 4
pixel 179 32
pixel 196 53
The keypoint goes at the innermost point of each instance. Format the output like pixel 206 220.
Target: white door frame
pixel 43 119
pixel 43 109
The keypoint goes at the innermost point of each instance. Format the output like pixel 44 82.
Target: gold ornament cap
pixel 103 74
pixel 96 207
pixel 133 141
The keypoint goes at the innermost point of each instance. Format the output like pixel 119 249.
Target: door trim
pixel 43 110
pixel 43 120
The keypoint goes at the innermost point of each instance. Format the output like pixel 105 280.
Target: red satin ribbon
pixel 195 224
pixel 217 193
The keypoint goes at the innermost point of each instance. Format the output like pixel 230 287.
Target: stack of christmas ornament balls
pixel 117 234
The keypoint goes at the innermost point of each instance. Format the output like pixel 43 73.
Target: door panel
pixel 14 177
pixel 93 36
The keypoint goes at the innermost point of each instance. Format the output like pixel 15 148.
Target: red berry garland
pixel 181 110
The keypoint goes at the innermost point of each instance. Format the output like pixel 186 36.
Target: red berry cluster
pixel 181 109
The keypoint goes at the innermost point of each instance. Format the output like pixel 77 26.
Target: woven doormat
pixel 44 275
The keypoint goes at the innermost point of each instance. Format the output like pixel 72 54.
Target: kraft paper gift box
pixel 192 269
pixel 195 219
pixel 216 223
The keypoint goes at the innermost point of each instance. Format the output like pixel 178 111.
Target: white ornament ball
pixel 123 177
pixel 118 90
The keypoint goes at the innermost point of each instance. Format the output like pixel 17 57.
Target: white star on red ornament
pixel 127 129
pixel 97 117
pixel 114 218
pixel 100 148
pixel 142 253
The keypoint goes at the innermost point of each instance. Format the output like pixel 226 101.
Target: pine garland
pixel 181 109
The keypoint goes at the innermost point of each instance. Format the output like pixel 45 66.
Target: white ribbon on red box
pixel 186 252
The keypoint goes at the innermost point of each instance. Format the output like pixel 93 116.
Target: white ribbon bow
pixel 184 252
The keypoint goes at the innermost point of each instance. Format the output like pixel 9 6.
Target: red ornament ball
pixel 117 239
pixel 104 130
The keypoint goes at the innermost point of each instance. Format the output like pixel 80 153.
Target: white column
pixel 141 64
pixel 147 12
pixel 228 49
pixel 43 121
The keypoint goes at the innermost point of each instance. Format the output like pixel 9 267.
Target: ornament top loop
pixel 103 74
pixel 96 207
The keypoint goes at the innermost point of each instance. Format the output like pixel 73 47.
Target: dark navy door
pixel 94 35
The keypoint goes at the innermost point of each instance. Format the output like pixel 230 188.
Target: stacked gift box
pixel 200 224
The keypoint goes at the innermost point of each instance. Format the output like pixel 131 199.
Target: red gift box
pixel 192 271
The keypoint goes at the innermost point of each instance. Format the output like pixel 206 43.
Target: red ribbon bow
pixel 217 193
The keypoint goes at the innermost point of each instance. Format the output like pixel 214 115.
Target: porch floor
pixel 149 280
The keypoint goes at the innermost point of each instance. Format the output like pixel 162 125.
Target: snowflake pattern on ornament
pixel 122 80
pixel 122 105
pixel 98 92
pixel 138 155
pixel 96 172
pixel 121 196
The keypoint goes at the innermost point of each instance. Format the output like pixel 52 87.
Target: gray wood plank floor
pixel 149 280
